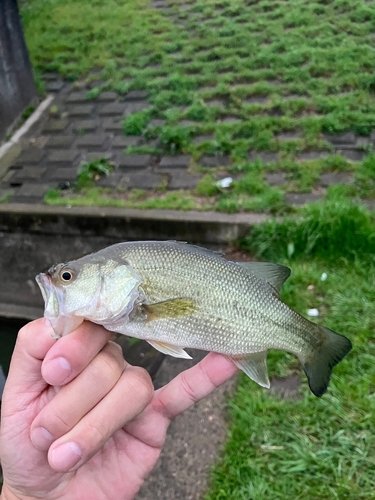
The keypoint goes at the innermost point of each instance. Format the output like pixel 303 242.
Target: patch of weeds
pixel 136 194
pixel 134 124
pixel 89 172
pixel 6 197
pixel 198 111
pixel 40 87
pixel 207 186
pixel 336 162
pixel 364 178
pixel 252 193
pixel 250 184
pixel 175 139
pixel 303 176
pixel 142 150
pixel 93 93
pixel 54 110
pixel 271 200
pixel 52 195
pixel 28 112
pixel 25 115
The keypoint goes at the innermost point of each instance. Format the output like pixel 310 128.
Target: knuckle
pixel 141 382
pixel 207 376
pixel 98 432
pixel 24 333
pixel 112 360
pixel 188 389
pixel 114 349
pixel 58 422
pixel 82 332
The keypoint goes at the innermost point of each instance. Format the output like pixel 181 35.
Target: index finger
pixel 193 385
pixel 70 355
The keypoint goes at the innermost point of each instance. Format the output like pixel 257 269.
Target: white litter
pixel 290 249
pixel 313 313
pixel 324 276
pixel 224 183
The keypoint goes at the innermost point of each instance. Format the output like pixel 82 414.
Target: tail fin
pixel 318 369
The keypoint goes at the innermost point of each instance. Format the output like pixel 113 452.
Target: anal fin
pixel 254 365
pixel 171 350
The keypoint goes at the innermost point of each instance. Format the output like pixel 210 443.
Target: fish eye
pixel 66 276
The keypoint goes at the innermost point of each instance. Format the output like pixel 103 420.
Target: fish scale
pixel 176 295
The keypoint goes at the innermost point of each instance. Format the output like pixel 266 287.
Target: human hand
pixel 104 425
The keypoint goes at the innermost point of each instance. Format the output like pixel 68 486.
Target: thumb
pixel 25 380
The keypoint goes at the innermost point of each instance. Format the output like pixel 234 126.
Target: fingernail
pixel 56 371
pixel 41 438
pixel 65 365
pixel 66 456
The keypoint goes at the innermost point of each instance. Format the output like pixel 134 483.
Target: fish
pixel 176 296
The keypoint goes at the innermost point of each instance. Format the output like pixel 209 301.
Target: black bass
pixel 175 295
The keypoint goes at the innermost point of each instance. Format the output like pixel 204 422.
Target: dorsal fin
pixel 211 253
pixel 274 274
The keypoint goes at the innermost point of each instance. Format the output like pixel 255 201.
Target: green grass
pixel 75 36
pixel 319 52
pixel 334 230
pixel 323 448
pixel 275 67
pixel 136 198
pixel 6 197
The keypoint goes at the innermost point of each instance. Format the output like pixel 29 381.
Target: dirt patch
pixel 287 388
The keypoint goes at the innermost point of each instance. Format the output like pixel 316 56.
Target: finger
pixel 132 393
pixel 78 397
pixel 177 396
pixel 73 352
pixel 192 385
pixel 25 380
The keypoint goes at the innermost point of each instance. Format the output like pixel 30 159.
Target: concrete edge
pixel 139 213
pixel 34 117
pixel 6 156
pixel 16 311
pixel 128 224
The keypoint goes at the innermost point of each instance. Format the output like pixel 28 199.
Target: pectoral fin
pixel 254 365
pixel 168 309
pixel 171 350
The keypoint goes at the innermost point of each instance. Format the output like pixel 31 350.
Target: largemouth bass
pixel 175 295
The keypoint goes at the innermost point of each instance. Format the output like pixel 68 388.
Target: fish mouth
pixel 53 300
pixel 54 307
pixel 45 285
